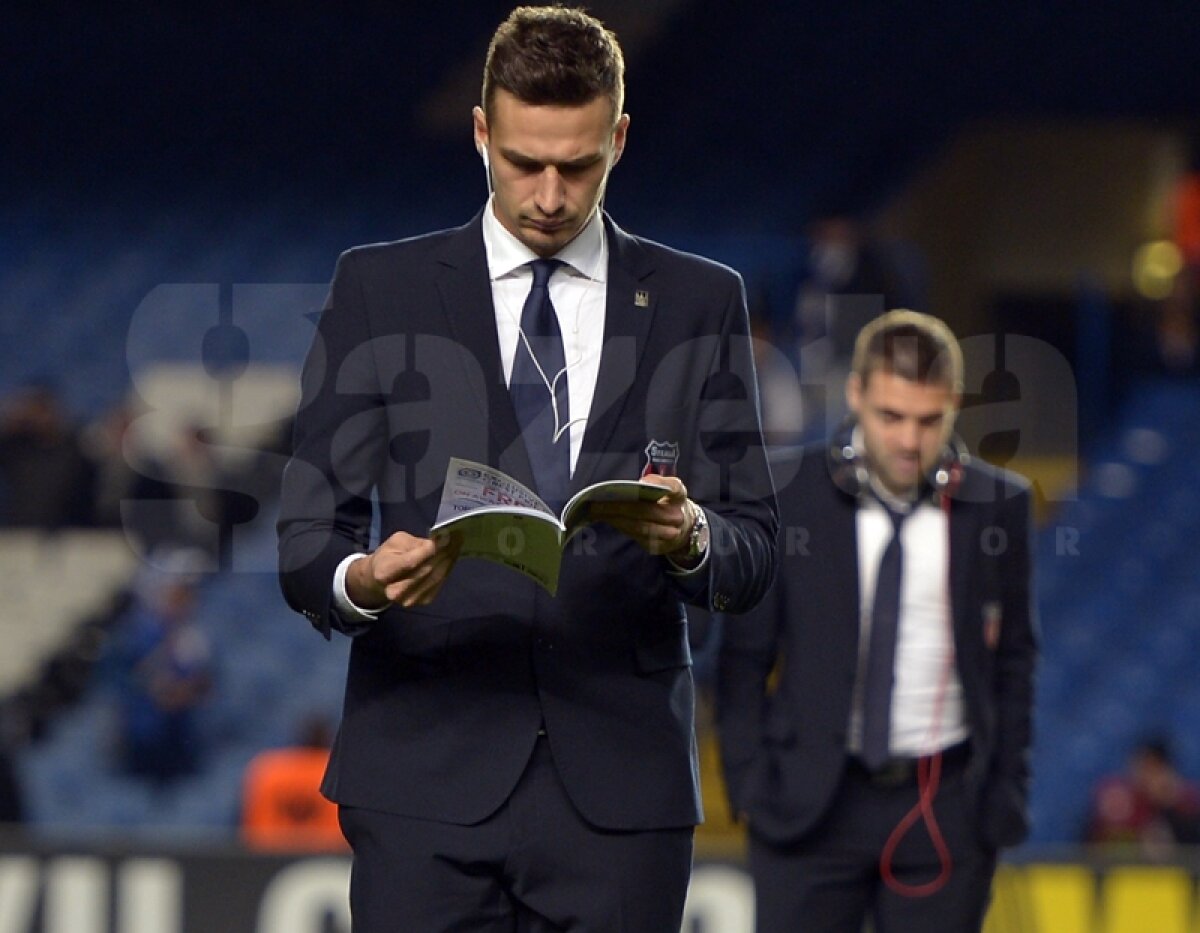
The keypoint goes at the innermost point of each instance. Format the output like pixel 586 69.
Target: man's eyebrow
pixel 520 158
pixel 924 417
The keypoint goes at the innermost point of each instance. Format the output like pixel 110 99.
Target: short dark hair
pixel 912 345
pixel 1157 747
pixel 554 55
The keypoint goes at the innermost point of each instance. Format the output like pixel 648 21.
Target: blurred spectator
pixel 165 673
pixel 1150 806
pixel 780 393
pixel 220 486
pixel 131 490
pixel 850 280
pixel 203 479
pixel 282 807
pixel 11 809
pixel 183 488
pixel 1179 327
pixel 45 480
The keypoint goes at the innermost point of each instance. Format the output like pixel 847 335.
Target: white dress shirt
pixel 927 699
pixel 579 293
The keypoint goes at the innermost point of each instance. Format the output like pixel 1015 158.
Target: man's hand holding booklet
pixel 501 520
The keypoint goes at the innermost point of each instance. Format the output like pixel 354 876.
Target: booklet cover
pixel 504 521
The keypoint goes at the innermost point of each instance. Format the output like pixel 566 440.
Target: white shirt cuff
pixel 341 599
pixel 676 571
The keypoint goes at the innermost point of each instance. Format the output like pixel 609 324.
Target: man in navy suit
pixel 875 709
pixel 506 759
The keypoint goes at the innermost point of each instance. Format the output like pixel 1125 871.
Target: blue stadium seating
pixel 1121 621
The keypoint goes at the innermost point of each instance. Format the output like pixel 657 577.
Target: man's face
pixel 905 425
pixel 549 165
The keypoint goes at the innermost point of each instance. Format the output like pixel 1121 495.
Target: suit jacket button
pixel 720 602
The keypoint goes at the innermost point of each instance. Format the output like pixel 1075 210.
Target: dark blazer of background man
pixel 505 754
pixel 819 819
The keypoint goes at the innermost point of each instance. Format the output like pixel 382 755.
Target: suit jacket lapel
pixel 964 539
pixel 628 312
pixel 466 293
pixel 841 555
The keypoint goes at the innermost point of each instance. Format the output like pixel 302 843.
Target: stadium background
pixel 179 181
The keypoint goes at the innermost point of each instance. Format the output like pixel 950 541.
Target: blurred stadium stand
pixel 51 582
pixel 1120 606
pixel 271 672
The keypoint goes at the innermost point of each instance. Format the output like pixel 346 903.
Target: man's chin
pixel 901 482
pixel 547 241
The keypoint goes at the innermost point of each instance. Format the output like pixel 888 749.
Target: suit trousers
pixel 829 881
pixel 533 866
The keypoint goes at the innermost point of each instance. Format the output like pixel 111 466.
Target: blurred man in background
pixel 885 761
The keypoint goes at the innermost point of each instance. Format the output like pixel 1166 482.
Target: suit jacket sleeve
pixel 739 496
pixel 339 446
pixel 1005 819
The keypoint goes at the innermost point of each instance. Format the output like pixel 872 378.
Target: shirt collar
pixel 506 254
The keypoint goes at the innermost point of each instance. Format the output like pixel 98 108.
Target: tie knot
pixel 896 515
pixel 542 270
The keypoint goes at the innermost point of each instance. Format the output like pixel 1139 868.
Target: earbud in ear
pixel 487 165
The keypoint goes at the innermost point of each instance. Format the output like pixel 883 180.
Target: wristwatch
pixel 698 538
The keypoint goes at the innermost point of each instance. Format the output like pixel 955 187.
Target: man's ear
pixel 620 134
pixel 479 129
pixel 953 408
pixel 854 391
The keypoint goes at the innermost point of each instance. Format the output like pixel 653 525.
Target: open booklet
pixel 503 521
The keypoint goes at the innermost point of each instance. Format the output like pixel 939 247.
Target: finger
pixel 663 510
pixel 645 530
pixel 672 484
pixel 403 583
pixel 419 583
pixel 637 526
pixel 425 584
pixel 651 536
pixel 424 590
pixel 399 592
pixel 393 565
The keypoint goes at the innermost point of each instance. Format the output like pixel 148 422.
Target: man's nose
pixel 550 194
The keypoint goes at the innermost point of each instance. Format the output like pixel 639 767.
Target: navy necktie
pixel 881 653
pixel 540 363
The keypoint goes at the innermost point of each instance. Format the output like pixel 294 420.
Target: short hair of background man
pixel 911 345
pixel 554 55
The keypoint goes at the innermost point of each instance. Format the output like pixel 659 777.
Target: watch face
pixel 699 543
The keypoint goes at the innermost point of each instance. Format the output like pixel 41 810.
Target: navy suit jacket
pixel 443 702
pixel 784 747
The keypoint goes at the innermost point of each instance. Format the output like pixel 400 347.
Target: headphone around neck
pixel 852 475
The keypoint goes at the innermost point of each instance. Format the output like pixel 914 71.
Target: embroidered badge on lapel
pixel 662 458
pixel 641 298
